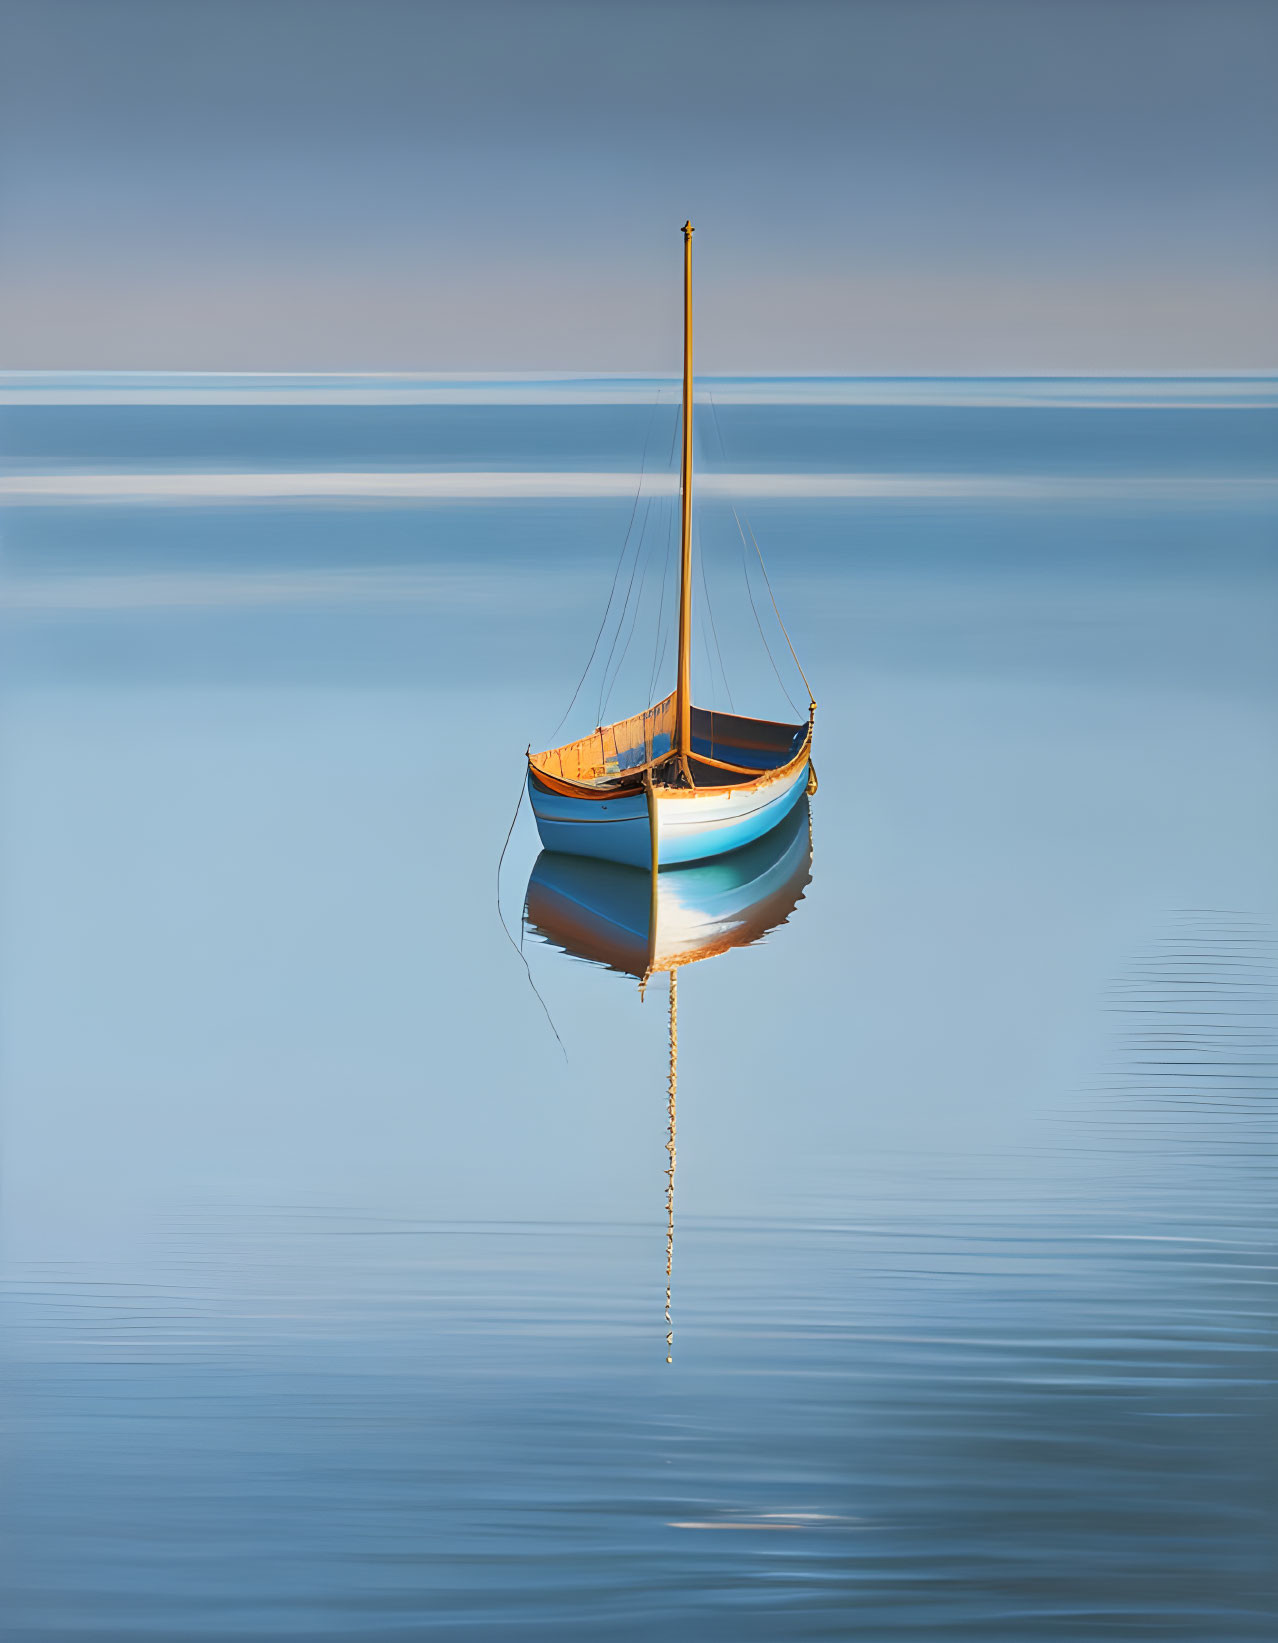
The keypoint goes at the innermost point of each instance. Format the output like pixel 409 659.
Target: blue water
pixel 333 1293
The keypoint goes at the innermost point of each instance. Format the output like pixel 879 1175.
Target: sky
pixel 878 186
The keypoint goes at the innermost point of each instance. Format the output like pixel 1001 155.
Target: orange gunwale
pixel 602 765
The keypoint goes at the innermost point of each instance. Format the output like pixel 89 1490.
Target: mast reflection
pixel 638 923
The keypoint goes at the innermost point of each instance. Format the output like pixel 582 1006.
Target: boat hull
pixel 692 824
pixel 620 917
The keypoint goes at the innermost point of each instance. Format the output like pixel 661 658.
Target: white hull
pixel 691 824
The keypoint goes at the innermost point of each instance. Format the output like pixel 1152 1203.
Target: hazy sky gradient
pixel 912 185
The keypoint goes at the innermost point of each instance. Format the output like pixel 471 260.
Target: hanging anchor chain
pixel 670 1149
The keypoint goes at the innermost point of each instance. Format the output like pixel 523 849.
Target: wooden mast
pixel 683 688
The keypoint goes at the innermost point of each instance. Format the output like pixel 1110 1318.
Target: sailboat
pixel 675 783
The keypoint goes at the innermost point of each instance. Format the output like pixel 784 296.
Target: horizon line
pixel 568 374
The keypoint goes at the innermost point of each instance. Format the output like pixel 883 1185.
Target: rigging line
pixel 660 637
pixel 776 611
pixel 621 559
pixel 523 788
pixel 605 688
pixel 665 643
pixel 643 582
pixel 702 633
pixel 711 692
pixel 718 431
pixel 714 417
pixel 723 452
pixel 745 571
pixel 638 553
pixel 661 608
pixel 714 631
pixel 649 559
pixel 667 622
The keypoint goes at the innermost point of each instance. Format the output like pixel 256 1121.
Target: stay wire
pixel 659 637
pixel 767 580
pixel 678 423
pixel 663 638
pixel 621 559
pixel 665 646
pixel 606 694
pixel 705 651
pixel 758 622
pixel 643 582
pixel 638 568
pixel 714 631
pixel 714 417
pixel 662 635
pixel 523 788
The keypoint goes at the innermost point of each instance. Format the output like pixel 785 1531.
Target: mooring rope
pixel 523 787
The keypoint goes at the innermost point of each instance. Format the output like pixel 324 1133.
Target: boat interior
pixel 725 746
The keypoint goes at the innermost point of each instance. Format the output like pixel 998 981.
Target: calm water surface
pixel 333 1293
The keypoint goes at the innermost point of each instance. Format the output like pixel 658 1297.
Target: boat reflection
pixel 639 923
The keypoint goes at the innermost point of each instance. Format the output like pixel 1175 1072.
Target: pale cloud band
pixel 24 389
pixel 201 488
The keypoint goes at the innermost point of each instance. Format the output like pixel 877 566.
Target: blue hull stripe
pixel 688 829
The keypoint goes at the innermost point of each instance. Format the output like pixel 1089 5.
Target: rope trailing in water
pixel 518 946
pixel 670 1149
